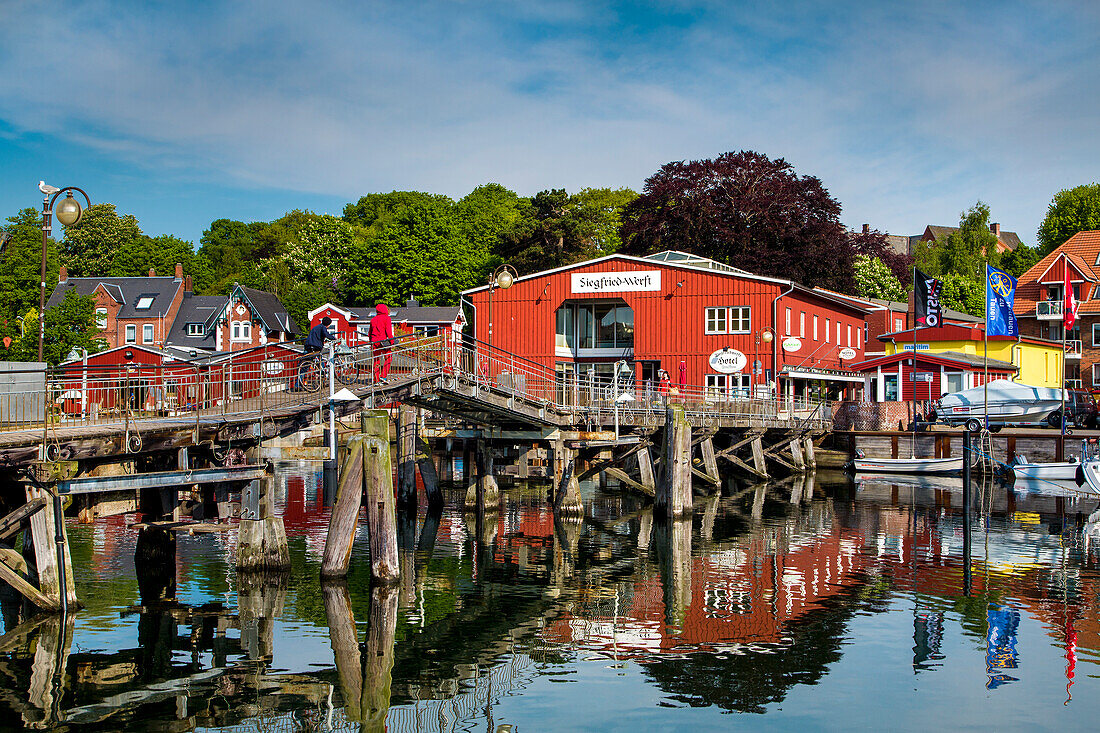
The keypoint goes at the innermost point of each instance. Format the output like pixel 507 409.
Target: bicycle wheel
pixel 312 375
pixel 346 368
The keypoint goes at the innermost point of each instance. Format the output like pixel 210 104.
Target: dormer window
pixel 144 302
pixel 196 329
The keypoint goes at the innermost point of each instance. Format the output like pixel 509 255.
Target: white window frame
pixel 717 320
pixel 788 322
pixel 838 333
pixel 815 327
pixel 1096 375
pixel 849 334
pixel 101 318
pixel 858 329
pixel 740 319
pixel 131 333
pixel 196 329
pixel 1096 334
pixel 147 333
pixel 828 328
pixel 142 299
pixel 802 324
pixel 241 332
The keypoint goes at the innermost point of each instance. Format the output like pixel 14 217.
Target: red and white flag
pixel 1069 308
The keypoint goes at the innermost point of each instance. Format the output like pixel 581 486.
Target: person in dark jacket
pixel 381 340
pixel 318 335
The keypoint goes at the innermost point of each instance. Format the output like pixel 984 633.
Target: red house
pixel 353 324
pixel 704 322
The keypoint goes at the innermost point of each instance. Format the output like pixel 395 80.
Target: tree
pixel 303 298
pixel 323 253
pixel 489 215
pixel 875 280
pixel 1020 260
pixel 748 211
pixel 376 210
pixel 598 212
pixel 228 248
pixel 963 293
pixel 135 258
pixel 1073 210
pixel 21 263
pixel 70 324
pixel 965 250
pixel 89 246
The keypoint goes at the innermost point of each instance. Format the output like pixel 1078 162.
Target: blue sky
pixel 182 113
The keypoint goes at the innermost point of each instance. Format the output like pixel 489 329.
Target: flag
pixel 926 300
pixel 1069 308
pixel 1000 296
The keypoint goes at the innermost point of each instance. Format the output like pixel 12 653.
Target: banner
pixel 926 300
pixel 1000 296
pixel 1069 307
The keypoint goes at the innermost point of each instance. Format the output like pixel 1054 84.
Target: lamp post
pixel 502 277
pixel 68 213
pixel 624 367
pixel 766 336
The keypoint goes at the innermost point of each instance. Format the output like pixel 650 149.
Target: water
pixel 850 609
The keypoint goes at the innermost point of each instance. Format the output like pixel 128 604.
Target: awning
pixel 825 375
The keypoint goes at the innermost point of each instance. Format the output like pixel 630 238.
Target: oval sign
pixel 791 343
pixel 847 353
pixel 728 361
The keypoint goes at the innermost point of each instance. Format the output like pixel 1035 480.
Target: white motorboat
pixel 1061 471
pixel 1009 403
pixel 909 465
pixel 1090 476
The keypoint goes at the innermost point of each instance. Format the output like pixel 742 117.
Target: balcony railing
pixel 1073 348
pixel 1074 384
pixel 1048 310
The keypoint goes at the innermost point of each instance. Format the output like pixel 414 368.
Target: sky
pixel 181 113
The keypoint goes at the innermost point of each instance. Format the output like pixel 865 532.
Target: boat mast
pixel 985 348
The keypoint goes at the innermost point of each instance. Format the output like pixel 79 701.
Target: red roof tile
pixel 1082 250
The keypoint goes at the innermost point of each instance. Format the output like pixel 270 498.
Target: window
pixel 802 324
pixel 857 337
pixel 788 321
pixel 596 327
pixel 891 387
pixel 735 319
pixel 1096 375
pixel 565 337
pixel 828 327
pixel 195 329
pixel 144 302
pixel 241 331
pixel 717 320
pixel 147 333
pixel 101 318
pixel 1096 334
pixel 849 334
pixel 838 333
pixel 726 386
pixel 131 334
pixel 899 324
pixel 815 327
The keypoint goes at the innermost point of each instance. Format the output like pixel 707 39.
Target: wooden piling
pixel 344 517
pixel 808 452
pixel 261 538
pixel 50 540
pixel 674 498
pixel 428 474
pixel 260 600
pixel 645 471
pixel 567 488
pixel 710 462
pixel 758 461
pixel 796 454
pixel 406 457
pixel 378 658
pixel 344 640
pixel 378 480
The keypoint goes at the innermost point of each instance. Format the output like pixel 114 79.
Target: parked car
pixel 1081 407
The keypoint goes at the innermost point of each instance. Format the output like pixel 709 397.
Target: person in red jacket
pixel 381 340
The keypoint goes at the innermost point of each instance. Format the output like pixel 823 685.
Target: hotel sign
pixel 728 361
pixel 616 282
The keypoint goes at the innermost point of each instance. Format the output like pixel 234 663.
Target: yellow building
pixel 1038 361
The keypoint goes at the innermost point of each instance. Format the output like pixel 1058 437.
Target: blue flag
pixel 1000 295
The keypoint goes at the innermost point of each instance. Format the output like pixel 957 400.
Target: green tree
pixel 303 298
pixel 323 253
pixel 598 212
pixel 377 210
pixel 963 293
pixel 20 265
pixel 69 325
pixel 1073 210
pixel 228 248
pixel 1020 260
pixel 489 215
pixel 875 280
pixel 135 258
pixel 965 250
pixel 89 246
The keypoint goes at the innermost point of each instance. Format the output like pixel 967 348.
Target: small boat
pixel 1061 471
pixel 1009 403
pixel 909 465
pixel 1089 477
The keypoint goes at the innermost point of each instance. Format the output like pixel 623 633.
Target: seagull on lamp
pixel 47 188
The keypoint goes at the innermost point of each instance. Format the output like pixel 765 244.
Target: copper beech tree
pixel 754 213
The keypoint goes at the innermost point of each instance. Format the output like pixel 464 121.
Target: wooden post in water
pixel 344 640
pixel 48 672
pixel 645 471
pixel 378 658
pixel 344 518
pixel 260 600
pixel 808 452
pixel 51 551
pixel 673 498
pixel 567 488
pixel 758 496
pixel 406 457
pixel 796 454
pixel 428 473
pixel 261 538
pixel 673 538
pixel 378 481
pixel 758 461
pixel 710 462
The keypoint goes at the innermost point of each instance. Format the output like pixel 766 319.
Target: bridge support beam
pixel 758 461
pixel 483 493
pixel 406 457
pixel 808 452
pixel 673 498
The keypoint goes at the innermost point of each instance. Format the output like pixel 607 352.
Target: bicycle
pixel 313 369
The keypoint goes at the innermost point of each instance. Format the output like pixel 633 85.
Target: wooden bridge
pixel 179 439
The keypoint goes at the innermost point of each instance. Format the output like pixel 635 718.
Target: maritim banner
pixel 616 282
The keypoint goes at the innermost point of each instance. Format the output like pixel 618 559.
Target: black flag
pixel 927 300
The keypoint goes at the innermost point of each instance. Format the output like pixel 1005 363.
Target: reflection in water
pixel 803 598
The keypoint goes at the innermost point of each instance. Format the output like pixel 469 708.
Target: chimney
pixel 63 274
pixel 411 303
pixel 187 286
pixel 866 228
pixel 179 271
pixel 152 272
pixel 996 229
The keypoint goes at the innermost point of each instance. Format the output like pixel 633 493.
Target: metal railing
pixel 253 383
pixel 1073 348
pixel 1048 310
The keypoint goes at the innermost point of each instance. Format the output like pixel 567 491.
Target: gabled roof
pixel 267 308
pixel 1082 249
pixel 1009 240
pixel 196 309
pixel 943 358
pixel 686 261
pixel 126 291
pixel 1079 269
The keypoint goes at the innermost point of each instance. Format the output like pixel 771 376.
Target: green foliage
pixel 322 254
pixel 135 258
pixel 1020 260
pixel 875 280
pixel 89 246
pixel 964 251
pixel 70 324
pixel 20 265
pixel 1073 210
pixel 489 215
pixel 304 297
pixel 598 212
pixel 963 293
pixel 377 210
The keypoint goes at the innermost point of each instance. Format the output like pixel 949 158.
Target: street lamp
pixel 68 213
pixel 502 277
pixel 621 367
pixel 766 336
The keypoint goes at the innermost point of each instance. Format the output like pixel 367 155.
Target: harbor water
pixel 814 603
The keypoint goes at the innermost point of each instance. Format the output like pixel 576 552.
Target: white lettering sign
pixel 616 282
pixel 847 353
pixel 728 361
pixel 791 343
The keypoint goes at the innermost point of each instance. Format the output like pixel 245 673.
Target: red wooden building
pixel 704 322
pixel 353 324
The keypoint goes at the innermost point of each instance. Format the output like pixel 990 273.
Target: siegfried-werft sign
pixel 616 282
